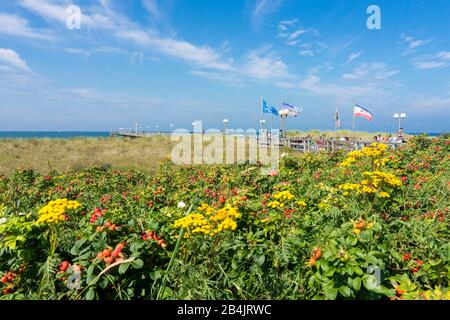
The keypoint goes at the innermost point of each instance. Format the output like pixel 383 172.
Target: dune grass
pixel 63 155
pixel 144 154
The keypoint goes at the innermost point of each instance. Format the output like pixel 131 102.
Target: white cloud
pixel 425 104
pixel 261 64
pixel 92 16
pixel 307 53
pixel 375 70
pixel 296 33
pixel 12 61
pixel 17 26
pixel 427 62
pixel 428 65
pixel 152 7
pixel 105 17
pixel 413 43
pixel 353 56
pixel 262 8
pixel 445 55
pixel 81 52
pixel 295 37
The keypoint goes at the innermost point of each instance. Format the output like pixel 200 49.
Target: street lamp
pixel 261 122
pixel 225 122
pixel 283 115
pixel 399 117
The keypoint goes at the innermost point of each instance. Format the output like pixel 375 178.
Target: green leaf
pixel 372 259
pixel 311 281
pixel 76 247
pixel 90 295
pixel 137 264
pixel 345 291
pixel 123 267
pixel 370 282
pixel 155 275
pixel 325 267
pixel 168 293
pixel 259 259
pixel 357 283
pixel 331 293
pixel 358 270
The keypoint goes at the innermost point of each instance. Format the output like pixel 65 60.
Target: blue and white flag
pixel 267 108
pixel 292 110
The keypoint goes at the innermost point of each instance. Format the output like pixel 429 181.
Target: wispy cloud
pixel 425 104
pixel 19 27
pixel 158 11
pixel 264 64
pixel 413 43
pixel 93 16
pixel 353 56
pixel 105 17
pixel 306 53
pixel 294 35
pixel 262 8
pixel 425 65
pixel 374 70
pixel 444 55
pixel 12 61
pixel 434 61
pixel 202 56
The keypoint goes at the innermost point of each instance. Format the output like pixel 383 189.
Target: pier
pixel 300 144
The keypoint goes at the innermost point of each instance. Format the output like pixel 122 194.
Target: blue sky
pixel 175 61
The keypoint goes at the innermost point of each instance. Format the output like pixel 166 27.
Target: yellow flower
pixel 55 210
pixel 356 231
pixel 211 224
pixel 301 203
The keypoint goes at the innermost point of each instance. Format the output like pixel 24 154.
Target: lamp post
pixel 261 123
pixel 399 117
pixel 225 122
pixel 283 115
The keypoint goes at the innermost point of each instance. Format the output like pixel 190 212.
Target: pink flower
pixel 273 173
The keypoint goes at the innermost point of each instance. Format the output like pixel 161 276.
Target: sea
pixel 88 134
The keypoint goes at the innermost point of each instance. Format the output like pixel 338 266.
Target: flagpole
pixel 353 125
pixel 260 107
pixel 282 120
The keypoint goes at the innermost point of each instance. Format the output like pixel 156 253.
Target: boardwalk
pixel 301 144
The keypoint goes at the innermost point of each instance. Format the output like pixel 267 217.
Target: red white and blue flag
pixel 359 111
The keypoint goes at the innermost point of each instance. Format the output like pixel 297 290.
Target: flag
pixel 359 111
pixel 267 108
pixel 337 119
pixel 292 110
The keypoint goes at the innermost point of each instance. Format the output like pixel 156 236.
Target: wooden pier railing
pixel 302 144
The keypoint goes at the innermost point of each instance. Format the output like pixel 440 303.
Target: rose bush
pixel 370 224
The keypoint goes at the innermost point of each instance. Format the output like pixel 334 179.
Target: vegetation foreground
pixel 369 224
